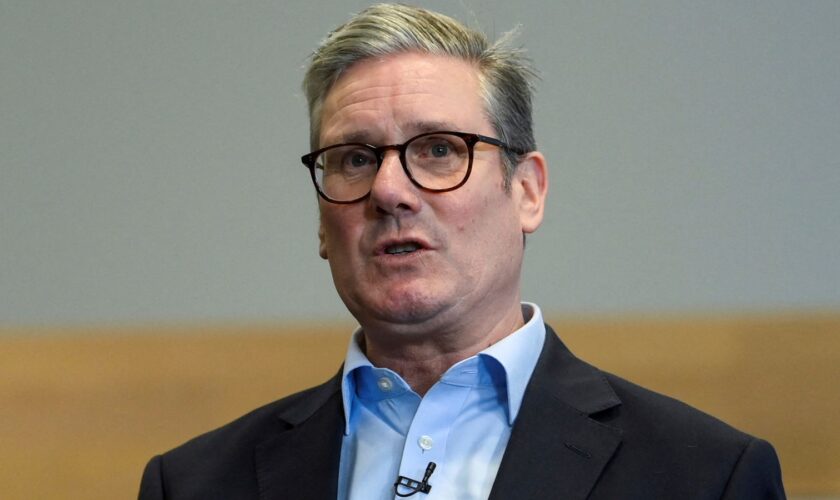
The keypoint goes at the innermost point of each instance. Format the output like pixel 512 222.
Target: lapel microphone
pixel 414 485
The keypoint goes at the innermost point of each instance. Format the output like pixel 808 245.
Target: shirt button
pixel 426 442
pixel 385 384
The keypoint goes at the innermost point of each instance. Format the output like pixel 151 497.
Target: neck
pixel 422 358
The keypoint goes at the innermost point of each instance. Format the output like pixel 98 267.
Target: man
pixel 428 180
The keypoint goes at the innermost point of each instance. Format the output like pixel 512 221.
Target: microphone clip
pixel 414 485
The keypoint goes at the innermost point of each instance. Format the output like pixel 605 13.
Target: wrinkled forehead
pixel 411 91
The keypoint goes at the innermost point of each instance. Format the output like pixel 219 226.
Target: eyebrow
pixel 414 128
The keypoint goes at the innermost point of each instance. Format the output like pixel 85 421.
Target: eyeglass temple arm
pixel 497 142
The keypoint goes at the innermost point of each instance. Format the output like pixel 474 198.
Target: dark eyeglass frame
pixel 469 138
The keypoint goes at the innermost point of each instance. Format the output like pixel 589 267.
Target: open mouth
pixel 402 248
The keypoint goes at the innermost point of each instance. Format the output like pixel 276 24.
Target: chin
pixel 403 308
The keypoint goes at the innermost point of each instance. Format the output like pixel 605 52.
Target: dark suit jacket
pixel 580 434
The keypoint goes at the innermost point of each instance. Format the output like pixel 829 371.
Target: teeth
pixel 402 248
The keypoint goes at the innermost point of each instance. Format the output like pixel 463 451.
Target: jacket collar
pixel 302 459
pixel 556 450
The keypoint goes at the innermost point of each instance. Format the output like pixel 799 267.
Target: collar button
pixel 385 384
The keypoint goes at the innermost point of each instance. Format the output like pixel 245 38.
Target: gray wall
pixel 149 157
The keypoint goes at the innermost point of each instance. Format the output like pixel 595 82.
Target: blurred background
pixel 158 249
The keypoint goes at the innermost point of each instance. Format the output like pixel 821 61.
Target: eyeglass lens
pixel 437 161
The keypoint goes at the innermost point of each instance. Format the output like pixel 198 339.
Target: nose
pixel 392 191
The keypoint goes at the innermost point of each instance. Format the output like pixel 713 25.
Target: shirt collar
pixel 516 355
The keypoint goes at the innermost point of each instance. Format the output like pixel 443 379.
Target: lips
pixel 404 246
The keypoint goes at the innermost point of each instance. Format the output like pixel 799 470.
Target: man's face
pixel 467 244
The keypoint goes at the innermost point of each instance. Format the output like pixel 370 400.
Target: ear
pixel 530 185
pixel 322 243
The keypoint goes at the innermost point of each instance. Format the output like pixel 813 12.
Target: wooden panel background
pixel 83 409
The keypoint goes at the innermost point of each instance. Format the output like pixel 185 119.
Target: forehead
pixel 394 97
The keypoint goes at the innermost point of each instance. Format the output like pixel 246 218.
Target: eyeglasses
pixel 434 161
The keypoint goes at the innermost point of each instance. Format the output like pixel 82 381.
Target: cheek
pixel 336 231
pixel 463 218
pixel 482 222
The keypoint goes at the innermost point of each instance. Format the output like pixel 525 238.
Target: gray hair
pixel 505 73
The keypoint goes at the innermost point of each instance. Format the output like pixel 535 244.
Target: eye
pixel 440 149
pixel 434 147
pixel 359 158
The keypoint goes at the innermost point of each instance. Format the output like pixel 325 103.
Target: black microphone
pixel 414 485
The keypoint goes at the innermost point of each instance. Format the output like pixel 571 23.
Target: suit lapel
pixel 301 461
pixel 556 450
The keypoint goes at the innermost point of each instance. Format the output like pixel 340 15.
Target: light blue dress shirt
pixel 462 424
